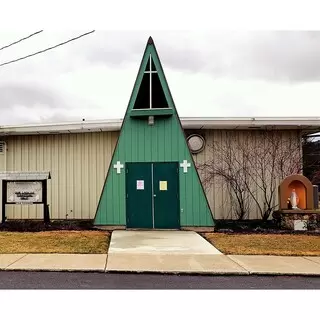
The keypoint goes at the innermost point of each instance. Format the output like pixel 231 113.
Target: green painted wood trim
pixel 150 112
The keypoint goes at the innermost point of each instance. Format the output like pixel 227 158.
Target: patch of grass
pixel 55 242
pixel 265 244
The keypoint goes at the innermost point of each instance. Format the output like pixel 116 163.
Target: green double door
pixel 152 195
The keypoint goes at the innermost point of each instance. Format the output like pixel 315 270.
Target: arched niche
pixel 303 188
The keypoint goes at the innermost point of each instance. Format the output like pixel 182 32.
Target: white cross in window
pixel 185 165
pixel 150 66
pixel 118 166
pixel 150 80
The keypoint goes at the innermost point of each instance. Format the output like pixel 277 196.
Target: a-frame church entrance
pixel 152 195
pixel 152 181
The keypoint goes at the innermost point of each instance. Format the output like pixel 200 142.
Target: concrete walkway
pixel 159 242
pixel 165 251
pixel 188 252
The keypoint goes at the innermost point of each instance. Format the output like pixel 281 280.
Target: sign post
pixel 25 188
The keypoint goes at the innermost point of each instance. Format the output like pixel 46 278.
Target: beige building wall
pixel 217 192
pixel 3 161
pixel 78 164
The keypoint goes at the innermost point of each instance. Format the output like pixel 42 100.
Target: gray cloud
pixel 70 81
pixel 18 94
pixel 285 55
pixel 268 55
pixel 274 56
pixel 58 116
pixel 110 48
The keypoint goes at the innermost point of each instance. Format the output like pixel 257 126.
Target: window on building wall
pixel 151 94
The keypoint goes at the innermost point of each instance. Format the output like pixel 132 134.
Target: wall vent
pixel 196 143
pixel 2 147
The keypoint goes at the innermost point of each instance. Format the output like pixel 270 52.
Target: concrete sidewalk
pixel 165 263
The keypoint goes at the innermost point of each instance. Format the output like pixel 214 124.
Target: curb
pixel 176 273
pixel 53 270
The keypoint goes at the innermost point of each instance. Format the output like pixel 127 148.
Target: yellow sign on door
pixel 163 186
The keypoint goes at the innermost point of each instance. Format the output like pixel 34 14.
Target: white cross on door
pixel 118 166
pixel 185 165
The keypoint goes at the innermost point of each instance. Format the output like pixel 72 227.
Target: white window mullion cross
pixel 150 81
pixel 150 66
pixel 118 166
pixel 150 77
pixel 185 165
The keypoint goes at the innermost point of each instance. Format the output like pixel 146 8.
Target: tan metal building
pixel 78 155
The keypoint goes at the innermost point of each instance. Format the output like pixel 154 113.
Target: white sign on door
pixel 140 184
pixel 163 185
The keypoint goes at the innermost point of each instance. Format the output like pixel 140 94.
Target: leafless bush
pixel 252 168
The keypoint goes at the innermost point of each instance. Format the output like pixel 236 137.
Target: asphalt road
pixel 77 280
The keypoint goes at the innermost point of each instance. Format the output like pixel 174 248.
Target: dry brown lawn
pixel 54 242
pixel 266 244
pixel 98 242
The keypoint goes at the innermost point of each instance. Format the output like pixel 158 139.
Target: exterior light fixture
pixel 151 120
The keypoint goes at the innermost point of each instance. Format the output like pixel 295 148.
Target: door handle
pixel 154 195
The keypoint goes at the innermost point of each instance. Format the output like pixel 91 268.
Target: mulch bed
pixel 54 225
pixel 256 227
pixel 222 226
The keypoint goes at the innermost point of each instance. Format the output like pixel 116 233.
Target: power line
pixel 50 48
pixel 22 39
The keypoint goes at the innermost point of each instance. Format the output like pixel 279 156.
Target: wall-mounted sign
pixel 140 184
pixel 24 192
pixel 163 185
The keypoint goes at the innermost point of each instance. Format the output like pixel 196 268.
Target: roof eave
pixel 309 125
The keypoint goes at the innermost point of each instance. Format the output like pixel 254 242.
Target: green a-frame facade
pixel 152 181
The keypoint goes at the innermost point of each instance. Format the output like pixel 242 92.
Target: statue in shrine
pixel 294 200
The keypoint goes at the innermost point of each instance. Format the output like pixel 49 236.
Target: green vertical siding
pixel 163 142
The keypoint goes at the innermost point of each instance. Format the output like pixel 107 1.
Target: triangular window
pixel 151 94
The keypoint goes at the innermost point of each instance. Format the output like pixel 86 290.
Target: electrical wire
pixel 47 49
pixel 22 39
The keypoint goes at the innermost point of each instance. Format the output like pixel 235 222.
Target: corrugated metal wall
pixel 3 161
pixel 79 162
pixel 3 155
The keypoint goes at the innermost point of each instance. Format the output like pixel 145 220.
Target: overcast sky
pixel 214 74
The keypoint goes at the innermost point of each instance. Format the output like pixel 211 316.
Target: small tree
pixel 253 166
pixel 228 168
pixel 274 156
